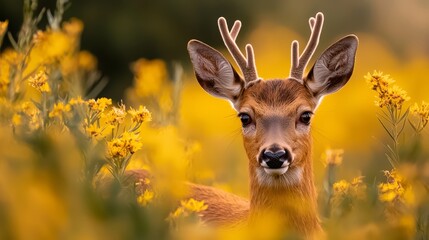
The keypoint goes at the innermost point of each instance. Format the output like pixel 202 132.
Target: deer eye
pixel 245 119
pixel 305 117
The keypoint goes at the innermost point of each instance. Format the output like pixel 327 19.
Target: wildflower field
pixel 77 165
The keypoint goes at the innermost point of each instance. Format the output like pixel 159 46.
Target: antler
pixel 246 64
pixel 299 64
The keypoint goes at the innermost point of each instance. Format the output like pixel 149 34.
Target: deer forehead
pixel 277 97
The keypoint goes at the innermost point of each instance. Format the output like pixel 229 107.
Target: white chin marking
pixel 278 178
pixel 276 172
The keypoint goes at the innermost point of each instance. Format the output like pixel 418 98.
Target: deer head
pixel 275 114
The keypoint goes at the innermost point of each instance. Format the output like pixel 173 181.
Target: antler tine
pixel 246 64
pixel 299 63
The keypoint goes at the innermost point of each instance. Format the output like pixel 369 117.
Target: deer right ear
pixel 214 73
pixel 333 68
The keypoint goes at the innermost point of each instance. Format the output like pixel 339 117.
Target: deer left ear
pixel 333 69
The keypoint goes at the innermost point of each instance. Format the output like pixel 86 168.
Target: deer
pixel 275 117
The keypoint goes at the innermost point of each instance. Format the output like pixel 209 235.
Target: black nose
pixel 275 158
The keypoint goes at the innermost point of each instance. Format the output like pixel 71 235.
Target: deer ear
pixel 214 73
pixel 334 67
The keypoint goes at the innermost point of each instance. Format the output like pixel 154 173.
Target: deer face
pixel 275 114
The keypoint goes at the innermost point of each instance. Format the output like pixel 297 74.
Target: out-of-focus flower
pixel 146 197
pixel 140 115
pixel 77 101
pixel 188 207
pixel 333 157
pixel 388 94
pixel 350 190
pixel 59 109
pixel 49 46
pixel 74 27
pixel 193 205
pixel 341 187
pixel 150 76
pixel 8 59
pixel 27 114
pixel 93 130
pixel 395 189
pixel 39 81
pixel 422 113
pixel 16 119
pixel 3 27
pixel 86 61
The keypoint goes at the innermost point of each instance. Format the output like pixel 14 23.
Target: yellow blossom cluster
pixel 59 109
pixel 123 146
pixel 3 27
pixel 116 115
pixel 422 112
pixel 394 189
pixel 100 104
pixel 146 197
pixel 333 157
pixel 26 114
pixel 40 81
pixel 150 76
pixel 140 115
pixel 354 189
pixel 388 94
pixel 187 207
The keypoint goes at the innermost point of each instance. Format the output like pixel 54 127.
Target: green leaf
pixel 412 125
pixel 12 41
pixel 405 115
pixel 402 128
pixel 385 128
pixel 391 161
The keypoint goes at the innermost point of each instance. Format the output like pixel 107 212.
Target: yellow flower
pixel 145 198
pixel 393 189
pixel 116 148
pixel 8 59
pixel 30 115
pixel 16 119
pixel 150 75
pixel 76 101
pixel 333 156
pixel 388 94
pixel 121 147
pixel 146 181
pixel 59 109
pixel 141 115
pixel 132 142
pixel 49 46
pixel 86 61
pixel 74 27
pixel 179 212
pixel 341 187
pixel 188 207
pixel 193 205
pixel 39 81
pixel 116 115
pixel 93 130
pixel 100 104
pixel 68 65
pixel 3 27
pixel 422 112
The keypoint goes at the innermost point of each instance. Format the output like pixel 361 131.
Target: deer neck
pixel 294 205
